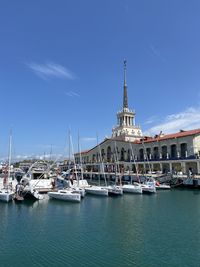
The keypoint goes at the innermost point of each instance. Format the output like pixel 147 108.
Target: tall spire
pixel 125 97
pixel 126 129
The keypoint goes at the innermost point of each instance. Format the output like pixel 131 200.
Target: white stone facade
pixel 126 129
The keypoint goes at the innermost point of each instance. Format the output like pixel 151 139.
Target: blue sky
pixel 61 67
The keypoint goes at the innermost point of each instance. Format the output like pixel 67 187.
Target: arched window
pixel 122 154
pixel 155 152
pixel 102 155
pixel 93 158
pixel 129 155
pixel 141 154
pixel 108 153
pixel 183 150
pixel 164 152
pixel 173 151
pixel 148 151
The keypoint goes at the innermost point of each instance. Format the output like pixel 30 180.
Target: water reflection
pixel 132 230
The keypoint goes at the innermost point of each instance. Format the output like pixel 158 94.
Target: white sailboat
pixel 73 192
pixel 76 187
pixel 32 188
pixel 66 195
pixel 149 186
pixel 67 181
pixel 7 193
pixel 115 190
pixel 98 190
pixel 70 179
pixel 134 188
pixel 162 186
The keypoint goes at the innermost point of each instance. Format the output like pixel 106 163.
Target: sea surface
pixel 132 230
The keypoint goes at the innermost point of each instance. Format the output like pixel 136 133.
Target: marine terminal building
pixel 128 149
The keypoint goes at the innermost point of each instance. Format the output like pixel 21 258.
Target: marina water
pixel 132 230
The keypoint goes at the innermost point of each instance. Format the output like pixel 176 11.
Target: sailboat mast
pixel 80 156
pixel 50 157
pixel 9 154
pixel 136 166
pixel 75 169
pixel 145 153
pixel 69 147
pixel 117 165
pixel 101 163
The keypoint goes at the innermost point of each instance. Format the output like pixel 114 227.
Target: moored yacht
pixel 97 190
pixel 65 195
pixel 79 190
pixel 114 190
pixel 37 180
pixel 132 188
pixel 149 186
pixel 162 186
pixel 69 181
pixel 6 194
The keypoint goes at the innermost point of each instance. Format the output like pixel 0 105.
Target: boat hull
pixel 6 196
pixel 18 198
pixel 132 189
pixel 65 196
pixel 81 191
pixel 148 190
pixel 100 191
pixel 115 191
pixel 163 187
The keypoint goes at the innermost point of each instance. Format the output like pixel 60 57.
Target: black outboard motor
pixel 18 176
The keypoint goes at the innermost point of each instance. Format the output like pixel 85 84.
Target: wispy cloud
pixel 20 157
pixel 72 94
pixel 88 139
pixel 151 120
pixel 156 52
pixel 47 146
pixel 51 70
pixel 186 120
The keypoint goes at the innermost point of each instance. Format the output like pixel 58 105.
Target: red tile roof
pixel 170 136
pixel 82 152
pixel 148 139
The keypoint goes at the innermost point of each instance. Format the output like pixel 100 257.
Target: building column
pixel 183 167
pixel 151 166
pixel 198 167
pixel 144 166
pixel 161 167
pixel 170 167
